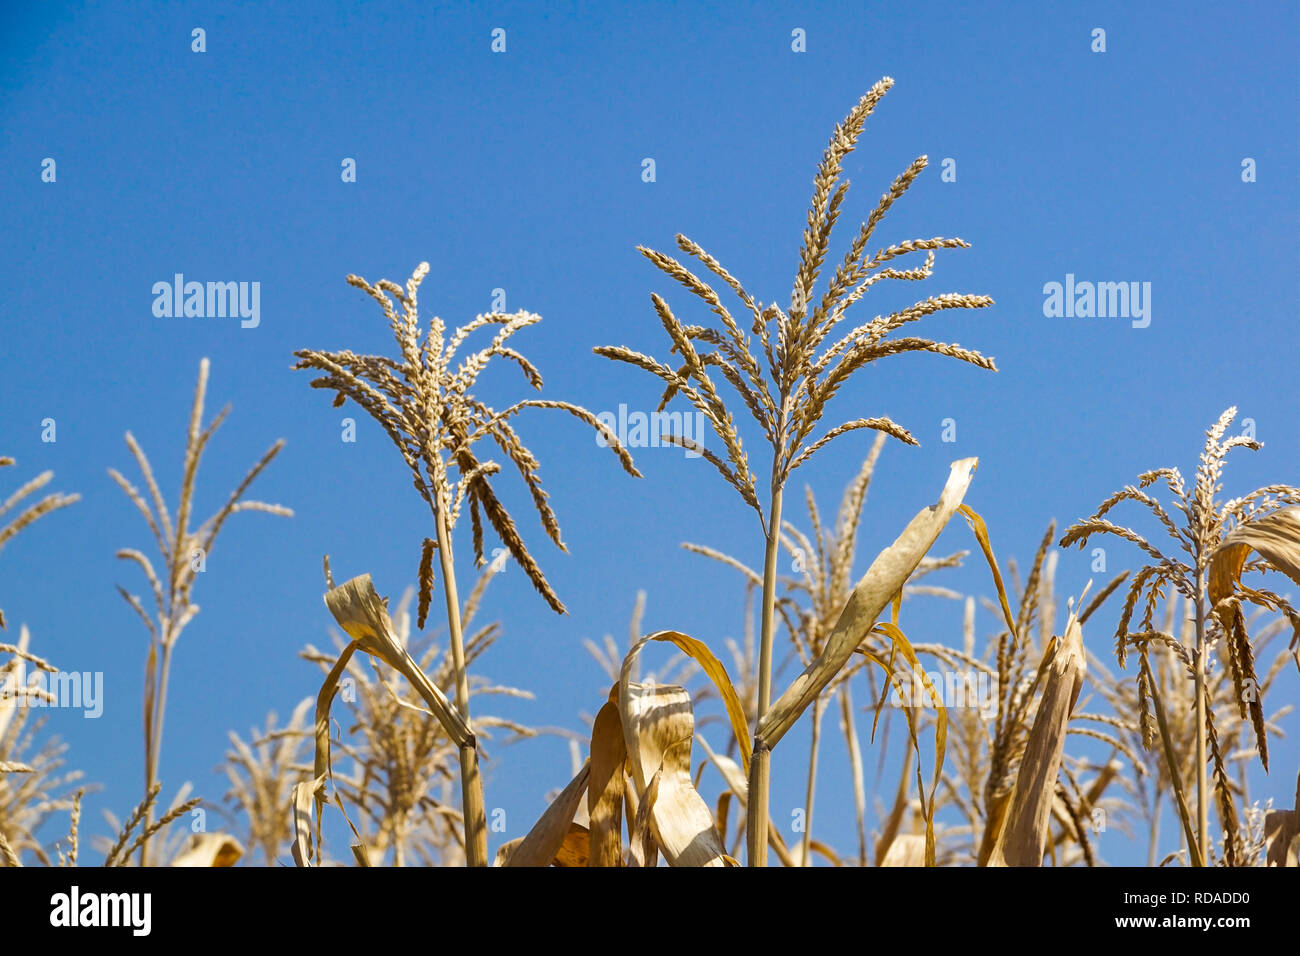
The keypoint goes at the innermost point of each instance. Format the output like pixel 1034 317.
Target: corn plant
pixel 32 512
pixel 1217 538
pixel 184 550
pixel 783 374
pixel 424 403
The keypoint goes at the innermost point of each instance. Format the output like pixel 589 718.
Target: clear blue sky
pixel 523 171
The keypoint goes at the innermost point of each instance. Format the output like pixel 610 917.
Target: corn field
pixel 897 690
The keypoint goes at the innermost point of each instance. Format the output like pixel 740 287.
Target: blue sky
pixel 522 171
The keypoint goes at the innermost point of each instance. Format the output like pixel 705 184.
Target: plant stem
pixel 471 784
pixel 1153 848
pixel 769 603
pixel 810 793
pixel 855 765
pixel 1202 801
pixel 760 764
pixel 153 746
pixel 1175 776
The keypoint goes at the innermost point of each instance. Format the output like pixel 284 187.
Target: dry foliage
pixel 33 784
pixel 663 810
pixel 809 612
pixel 262 773
pixel 397 764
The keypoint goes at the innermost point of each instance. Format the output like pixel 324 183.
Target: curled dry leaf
pixel 302 802
pixel 544 842
pixel 575 848
pixel 1276 536
pixel 363 615
pixel 210 849
pixel 605 789
pixel 642 851
pixel 658 726
pixel 713 669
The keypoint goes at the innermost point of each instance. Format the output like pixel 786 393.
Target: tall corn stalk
pixel 424 404
pixel 184 551
pixel 786 384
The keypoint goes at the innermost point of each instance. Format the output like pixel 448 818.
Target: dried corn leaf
pixel 365 855
pixel 713 669
pixel 722 815
pixel 878 587
pixel 901 643
pixel 731 772
pixel 210 849
pixel 605 789
pixel 505 850
pixel 641 850
pixel 363 614
pixel 322 766
pixel 680 819
pixel 817 846
pixel 574 848
pixel 658 726
pixel 1171 762
pixel 301 800
pixel 892 822
pixel 906 849
pixel 997 816
pixel 1282 834
pixel 1024 835
pixel 981 532
pixel 547 837
pixel 1276 536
